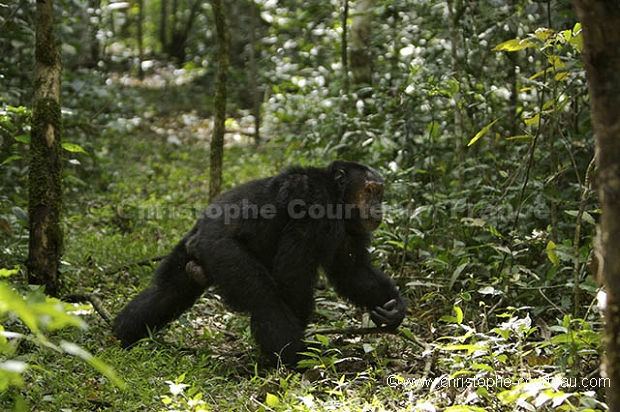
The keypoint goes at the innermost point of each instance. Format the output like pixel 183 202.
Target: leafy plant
pixel 39 314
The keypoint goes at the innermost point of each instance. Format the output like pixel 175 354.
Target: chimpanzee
pixel 262 244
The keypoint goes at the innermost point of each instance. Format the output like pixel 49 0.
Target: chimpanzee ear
pixel 338 171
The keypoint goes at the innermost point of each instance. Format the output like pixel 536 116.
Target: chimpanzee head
pixel 362 192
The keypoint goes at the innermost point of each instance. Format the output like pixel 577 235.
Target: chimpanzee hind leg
pixel 175 287
pixel 247 286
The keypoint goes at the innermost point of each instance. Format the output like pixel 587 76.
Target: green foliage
pixel 499 369
pixel 321 357
pixel 39 314
pixel 181 399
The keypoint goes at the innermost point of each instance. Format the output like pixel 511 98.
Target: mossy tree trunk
pixel 601 54
pixel 44 179
pixel 219 101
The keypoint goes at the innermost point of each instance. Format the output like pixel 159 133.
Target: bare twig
pixel 577 262
pixel 144 262
pixel 94 300
pixel 365 331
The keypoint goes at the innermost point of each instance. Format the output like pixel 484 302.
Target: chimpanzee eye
pixel 372 189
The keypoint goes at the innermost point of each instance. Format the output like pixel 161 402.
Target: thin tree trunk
pixel 94 46
pixel 181 29
pixel 44 179
pixel 601 55
pixel 344 58
pixel 219 103
pixel 345 72
pixel 253 71
pixel 140 22
pixel 361 62
pixel 456 8
pixel 163 25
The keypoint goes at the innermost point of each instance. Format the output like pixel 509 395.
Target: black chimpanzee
pixel 262 244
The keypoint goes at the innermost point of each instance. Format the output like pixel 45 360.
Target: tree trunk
pixel 456 9
pixel 181 30
pixel 361 62
pixel 219 102
pixel 601 55
pixel 163 25
pixel 44 184
pixel 344 58
pixel 139 23
pixel 257 97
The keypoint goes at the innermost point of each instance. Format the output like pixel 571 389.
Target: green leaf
pixel 586 217
pixel 482 132
pixel 5 273
pixel 457 272
pixel 532 120
pixel 576 39
pixel 457 318
pixel 433 129
pixel 97 364
pixel 504 333
pixel 324 340
pixel 552 253
pixel 10 159
pixel 11 374
pixel 23 138
pixel 494 231
pixel 10 301
pixel 459 314
pixel 544 34
pixel 399 245
pixel 272 400
pixel 73 148
pixel 482 366
pixel 513 45
pixel 407 333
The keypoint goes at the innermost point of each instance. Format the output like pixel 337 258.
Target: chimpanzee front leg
pixel 356 279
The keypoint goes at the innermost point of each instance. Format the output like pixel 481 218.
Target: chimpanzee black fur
pixel 262 244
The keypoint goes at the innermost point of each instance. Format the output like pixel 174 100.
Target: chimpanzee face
pixel 362 192
pixel 369 203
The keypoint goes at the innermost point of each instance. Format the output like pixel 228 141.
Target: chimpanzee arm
pixel 356 279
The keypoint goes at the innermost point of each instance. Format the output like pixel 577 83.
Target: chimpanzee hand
pixel 391 314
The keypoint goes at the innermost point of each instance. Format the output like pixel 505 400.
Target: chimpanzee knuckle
pixel 390 304
pixel 379 309
pixel 378 319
